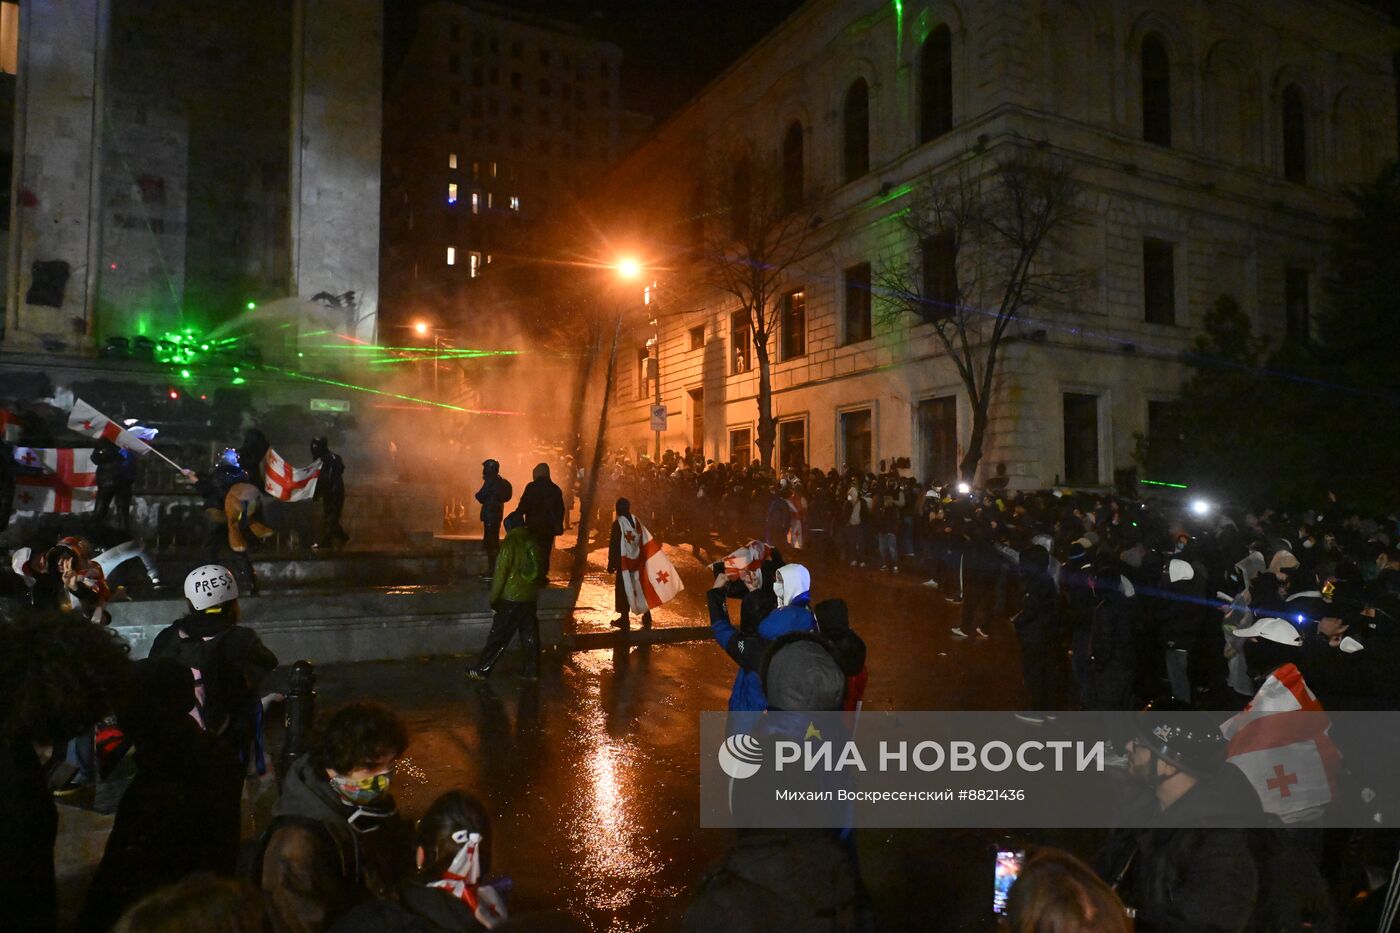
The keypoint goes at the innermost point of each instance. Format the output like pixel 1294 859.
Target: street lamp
pixel 420 328
pixel 628 268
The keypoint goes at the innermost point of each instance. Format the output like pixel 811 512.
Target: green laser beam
pixel 1153 482
pixel 406 398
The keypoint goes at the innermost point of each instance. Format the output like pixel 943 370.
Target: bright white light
pixel 1200 507
pixel 964 489
pixel 421 328
pixel 628 268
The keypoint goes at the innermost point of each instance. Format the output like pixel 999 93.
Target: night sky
pixel 671 48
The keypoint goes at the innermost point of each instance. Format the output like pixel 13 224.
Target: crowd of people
pixel 1183 603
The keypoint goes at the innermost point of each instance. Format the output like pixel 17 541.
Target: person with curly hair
pixel 336 838
pixel 59 675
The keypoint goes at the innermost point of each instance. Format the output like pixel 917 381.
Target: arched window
pixel 936 85
pixel 1156 91
pixel 792 167
pixel 855 131
pixel 1295 135
pixel 740 198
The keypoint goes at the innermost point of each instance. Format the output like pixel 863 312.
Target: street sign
pixel 330 404
pixel 658 417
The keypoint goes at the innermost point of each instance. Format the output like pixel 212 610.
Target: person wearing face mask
pixel 792 591
pixel 336 837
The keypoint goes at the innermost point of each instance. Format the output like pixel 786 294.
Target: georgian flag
pixel 283 481
pixel 88 421
pixel 1280 742
pixel 647 574
pixel 746 564
pixel 67 481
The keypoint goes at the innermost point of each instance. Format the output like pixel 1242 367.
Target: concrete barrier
pixel 387 624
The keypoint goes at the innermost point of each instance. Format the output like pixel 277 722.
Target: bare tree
pixel 760 225
pixel 980 231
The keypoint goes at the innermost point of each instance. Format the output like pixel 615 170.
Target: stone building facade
pixel 176 159
pixel 1210 141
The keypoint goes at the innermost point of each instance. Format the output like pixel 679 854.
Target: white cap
pixel 1279 630
pixel 1179 570
pixel 1350 645
pixel 210 586
pixel 19 558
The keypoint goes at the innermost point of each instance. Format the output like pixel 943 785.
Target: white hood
pixel 792 581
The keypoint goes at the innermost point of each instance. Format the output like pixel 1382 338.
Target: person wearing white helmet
pixel 228 660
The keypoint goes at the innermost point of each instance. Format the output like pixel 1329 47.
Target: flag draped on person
pixel 746 564
pixel 90 422
pixel 58 480
pixel 647 573
pixel 1280 742
pixel 283 481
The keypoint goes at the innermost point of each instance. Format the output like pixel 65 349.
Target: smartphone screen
pixel 1008 866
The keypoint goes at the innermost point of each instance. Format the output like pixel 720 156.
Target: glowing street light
pixel 1200 508
pixel 420 328
pixel 628 267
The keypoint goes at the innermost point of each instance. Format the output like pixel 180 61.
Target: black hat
pixel 1188 741
pixel 832 615
pixel 800 674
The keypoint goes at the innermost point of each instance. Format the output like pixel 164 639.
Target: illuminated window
pixel 9 38
pixel 489 200
pixel 493 169
pixel 476 171
pixel 451 256
pixel 452 160
pixel 476 202
pixel 474 264
pixel 514 202
pixel 452 192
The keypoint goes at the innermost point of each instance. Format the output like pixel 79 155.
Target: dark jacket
pixel 180 815
pixel 418 909
pixel 1038 619
pixel 331 483
pixel 116 467
pixel 1196 869
pixel 801 881
pixel 239 661
pixel 28 828
pixel 493 495
pixel 542 506
pixel 316 866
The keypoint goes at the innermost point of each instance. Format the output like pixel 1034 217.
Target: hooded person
pixel 1181 619
pixel 847 648
pixel 493 495
pixel 336 837
pixel 792 594
pixel 542 507
pixel 515 589
pixel 330 492
pixel 228 661
pixel 627 526
pixel 1037 626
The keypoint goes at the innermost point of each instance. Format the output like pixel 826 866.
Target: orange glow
pixel 628 267
pixel 420 328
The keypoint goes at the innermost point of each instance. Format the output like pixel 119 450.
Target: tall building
pixel 1210 142
pixel 495 119
pixel 176 160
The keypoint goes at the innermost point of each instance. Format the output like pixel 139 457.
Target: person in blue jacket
pixel 792 589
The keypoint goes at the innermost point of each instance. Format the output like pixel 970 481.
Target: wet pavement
pixel 592 772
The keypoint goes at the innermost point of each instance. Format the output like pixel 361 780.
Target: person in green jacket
pixel 515 587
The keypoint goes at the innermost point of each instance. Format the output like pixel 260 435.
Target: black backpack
pixel 225 695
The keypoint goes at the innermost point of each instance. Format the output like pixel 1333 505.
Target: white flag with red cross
pixel 1281 744
pixel 746 564
pixel 67 481
pixel 647 573
pixel 88 421
pixel 283 481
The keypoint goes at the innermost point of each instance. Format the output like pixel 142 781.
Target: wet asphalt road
pixel 592 772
